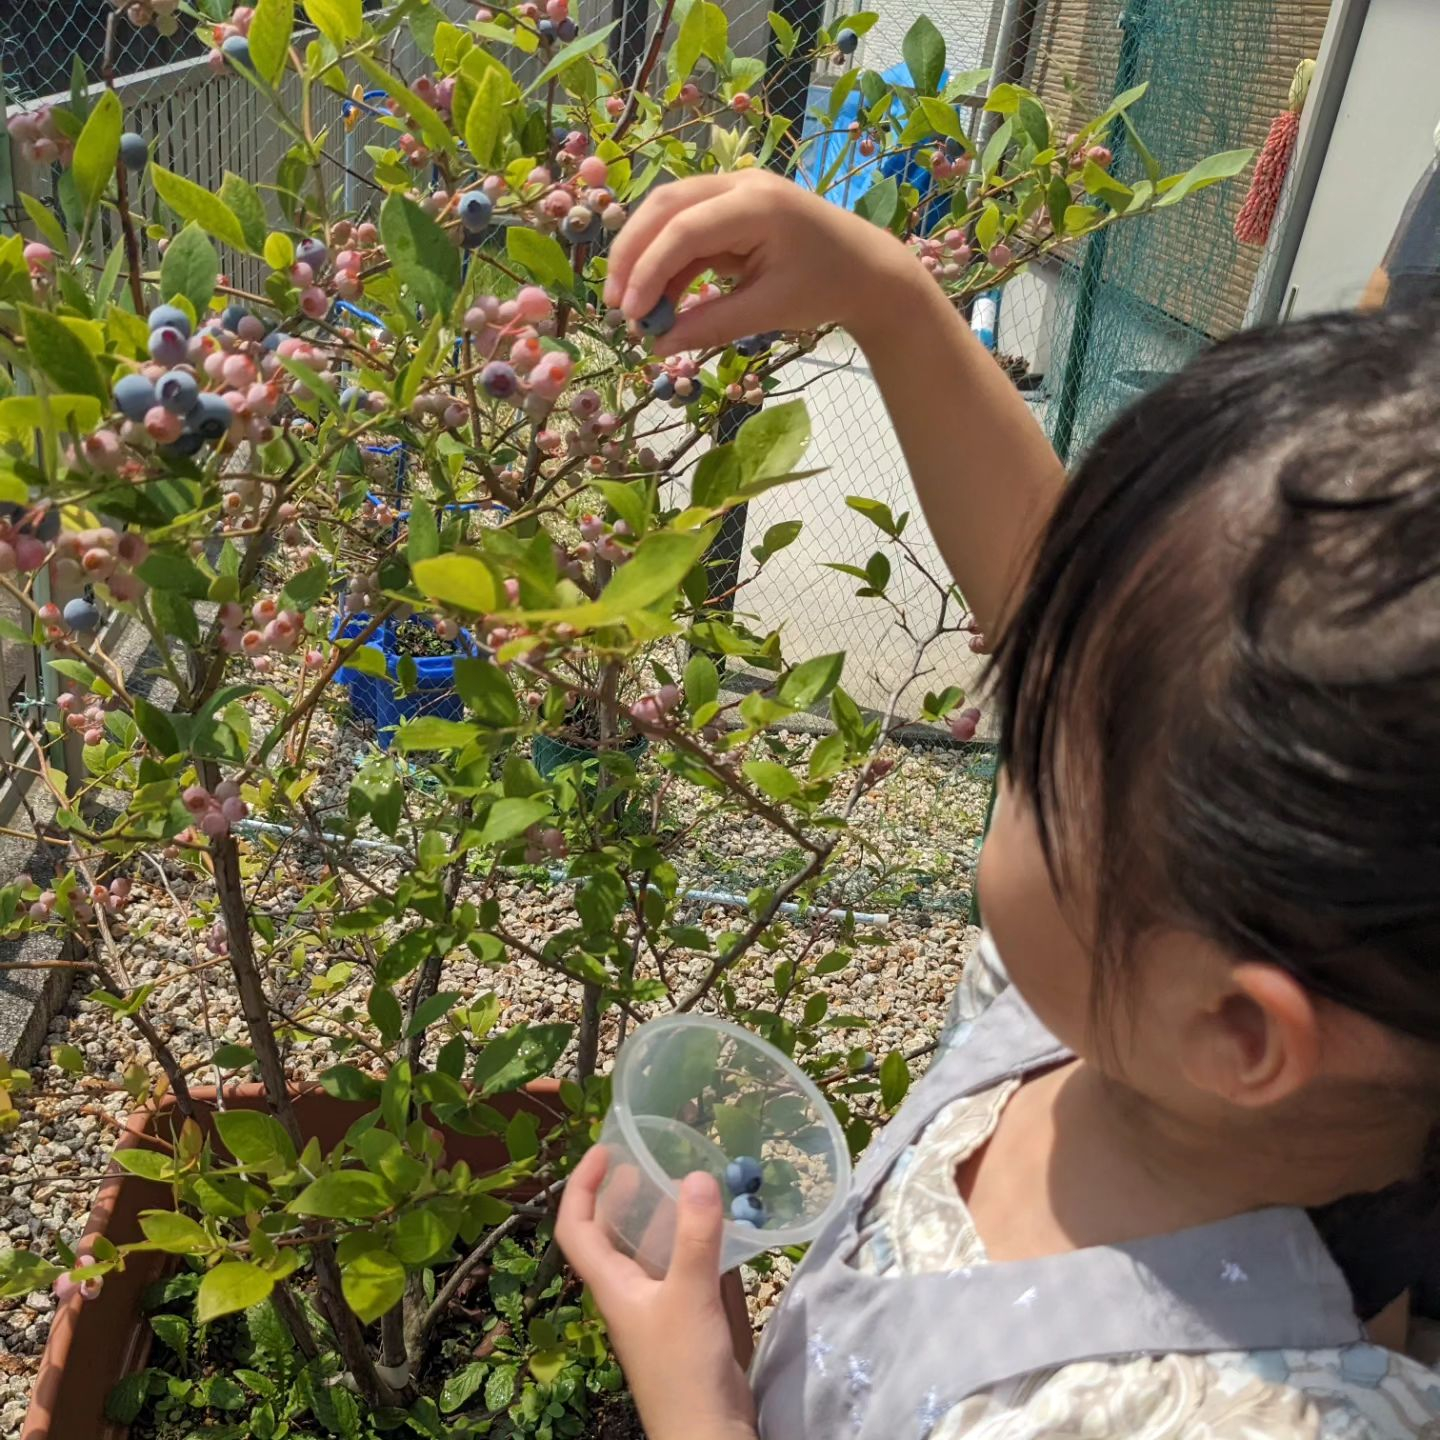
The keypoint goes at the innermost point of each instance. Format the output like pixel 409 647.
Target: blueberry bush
pixel 218 466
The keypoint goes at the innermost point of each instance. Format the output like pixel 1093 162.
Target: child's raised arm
pixel 983 469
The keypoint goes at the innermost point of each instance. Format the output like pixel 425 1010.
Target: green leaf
pixel 987 227
pixel 22 1271
pixel 343 1195
pixel 894 1079
pixel 155 725
pixel 373 1283
pixel 485 690
pixel 385 1014
pixel 61 355
pixel 486 116
pixel 459 1387
pixel 127 1398
pixel 68 1058
pixel 771 443
pixel 500 1388
pixel 258 1141
pixel 519 1056
pixel 190 268
pixel 162 571
pixel 460 580
pixel 175 1233
pixel 772 779
pixel 270 30
pixel 43 218
pixel 97 150
pixel 147 1164
pixel 879 203
pixel 542 257
pixel 924 50
pixel 173 1331
pixel 279 250
pixel 345 1082
pixel 339 21
pixel 943 120
pixel 422 534
pixel 582 45
pixel 660 562
pixel 812 680
pixel 777 537
pixel 996 146
pixel 435 131
pixel 424 258
pixel 244 199
pixel 303 589
pixel 511 817
pixel 785 36
pixel 425 1234
pixel 432 1010
pixel 702 682
pixel 232 1285
pixel 877 513
pixel 192 202
pixel 1210 171
pixel 1113 192
pixel 431 732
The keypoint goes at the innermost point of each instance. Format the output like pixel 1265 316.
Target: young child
pixel 1170 1173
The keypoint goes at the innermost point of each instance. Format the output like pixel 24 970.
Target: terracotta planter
pixel 94 1344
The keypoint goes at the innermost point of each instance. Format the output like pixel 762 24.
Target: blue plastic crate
pixel 376 700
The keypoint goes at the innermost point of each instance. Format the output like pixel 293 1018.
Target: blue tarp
pixel 821 155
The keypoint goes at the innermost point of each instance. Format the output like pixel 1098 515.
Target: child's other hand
pixel 799 262
pixel 671 1335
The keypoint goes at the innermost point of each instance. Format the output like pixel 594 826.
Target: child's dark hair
pixel 1222 687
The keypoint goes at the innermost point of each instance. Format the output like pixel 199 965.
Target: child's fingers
pixel 697 236
pixel 744 311
pixel 699 1225
pixel 658 208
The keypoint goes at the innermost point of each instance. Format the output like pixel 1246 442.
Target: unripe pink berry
pixel 1000 255
pixel 163 425
pixel 741 103
pixel 196 799
pixel 964 724
pixel 315 302
pixel 614 106
pixel 215 825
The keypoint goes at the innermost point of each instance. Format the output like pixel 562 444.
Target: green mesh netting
pixel 1143 298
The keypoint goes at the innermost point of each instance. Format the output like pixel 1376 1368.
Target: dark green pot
pixel 551 755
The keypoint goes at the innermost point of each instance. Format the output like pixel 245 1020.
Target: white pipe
pixel 703 897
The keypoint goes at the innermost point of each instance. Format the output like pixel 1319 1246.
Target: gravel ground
pixel 916 836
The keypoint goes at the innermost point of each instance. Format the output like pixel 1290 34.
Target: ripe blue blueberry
pixel 567 30
pixel 660 319
pixel 749 1210
pixel 953 149
pixel 352 397
pixel 312 252
pixel 582 234
pixel 171 315
pixel 167 345
pixel 743 1176
pixel 134 150
pixel 236 49
pixel 475 209
pixel 547 29
pixel 847 41
pixel 82 615
pixel 177 391
pixel 499 380
pixel 134 396
pixel 272 340
pixel 232 317
pixel 663 388
pixel 184 445
pixel 211 417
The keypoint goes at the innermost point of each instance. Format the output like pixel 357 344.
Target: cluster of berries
pixel 743 1179
pixel 38 136
pixel 216 813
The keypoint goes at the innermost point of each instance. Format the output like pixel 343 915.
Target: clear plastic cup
pixel 691 1093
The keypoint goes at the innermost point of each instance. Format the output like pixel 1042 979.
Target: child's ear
pixel 1257 1041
